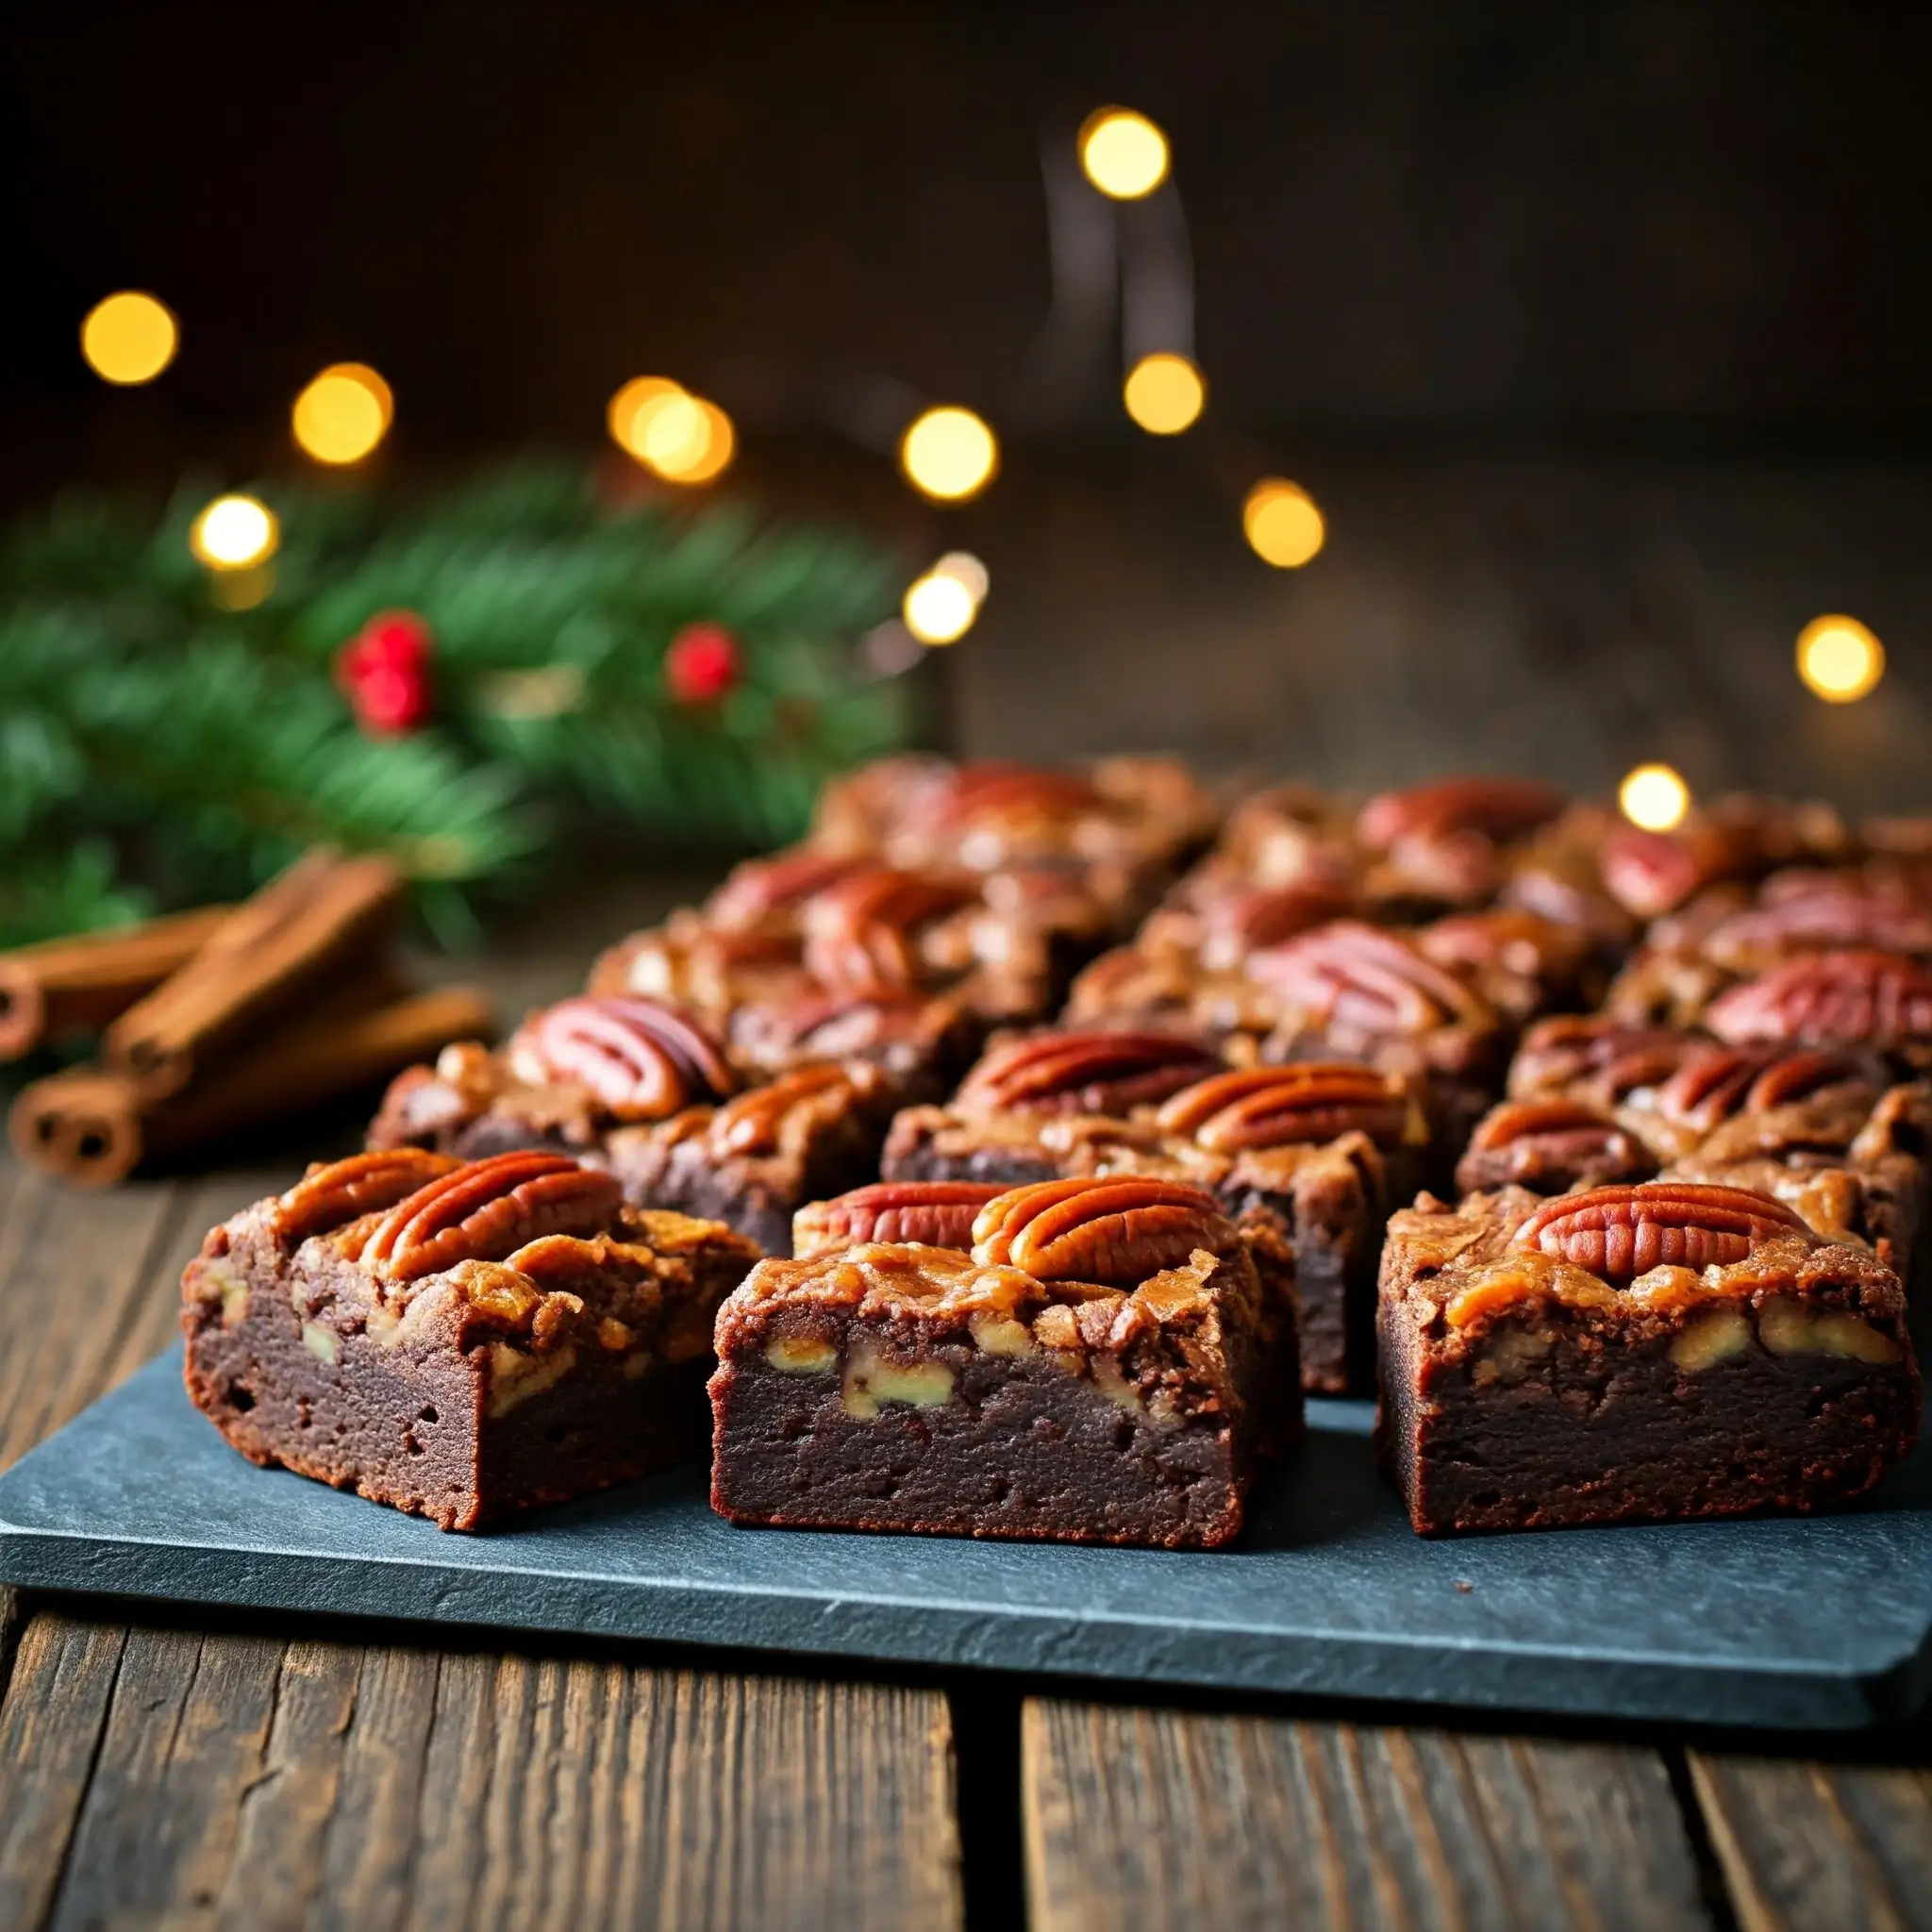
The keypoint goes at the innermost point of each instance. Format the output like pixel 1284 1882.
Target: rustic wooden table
pixel 259 1772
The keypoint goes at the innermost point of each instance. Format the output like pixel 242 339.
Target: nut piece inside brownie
pixel 461 1340
pixel 1078 1360
pixel 1325 1146
pixel 1659 1351
pixel 644 1089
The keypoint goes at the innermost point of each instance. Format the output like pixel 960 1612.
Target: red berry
pixel 702 663
pixel 384 672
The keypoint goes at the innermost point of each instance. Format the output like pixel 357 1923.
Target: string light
pixel 628 403
pixel 343 414
pixel 1165 394
pixel 1840 660
pixel 1282 523
pixel 938 609
pixel 1655 798
pixel 949 453
pixel 682 437
pixel 235 533
pixel 1124 153
pixel 129 338
pixel 967 569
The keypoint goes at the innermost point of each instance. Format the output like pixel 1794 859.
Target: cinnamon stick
pixel 324 913
pixel 86 980
pixel 93 1125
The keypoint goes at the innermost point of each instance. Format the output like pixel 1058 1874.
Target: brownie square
pixel 1080 1362
pixel 1327 1148
pixel 1830 1133
pixel 1655 1352
pixel 644 1091
pixel 460 1340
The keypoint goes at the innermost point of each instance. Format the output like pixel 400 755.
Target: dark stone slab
pixel 1814 1623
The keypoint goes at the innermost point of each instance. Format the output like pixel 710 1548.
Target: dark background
pixel 1598 330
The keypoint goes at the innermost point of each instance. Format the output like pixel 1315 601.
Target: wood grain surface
pixel 1153 1819
pixel 1808 1845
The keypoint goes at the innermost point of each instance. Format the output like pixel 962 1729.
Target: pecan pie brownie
pixel 1325 1147
pixel 643 1088
pixel 1124 824
pixel 1832 1133
pixel 460 1340
pixel 1079 1361
pixel 1659 1351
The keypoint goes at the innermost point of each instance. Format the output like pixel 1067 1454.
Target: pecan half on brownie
pixel 1324 1147
pixel 1087 1361
pixel 458 1340
pixel 1653 1351
pixel 644 1089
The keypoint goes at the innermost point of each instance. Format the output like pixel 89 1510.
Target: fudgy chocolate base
pixel 410 1427
pixel 1019 1449
pixel 1603 1436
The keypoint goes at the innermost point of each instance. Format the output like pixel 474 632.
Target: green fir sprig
pixel 160 746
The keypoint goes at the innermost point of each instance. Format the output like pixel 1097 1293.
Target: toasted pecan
pixel 940 1214
pixel 1303 1102
pixel 1622 1232
pixel 1116 1231
pixel 1083 1072
pixel 642 1058
pixel 487 1209
pixel 343 1191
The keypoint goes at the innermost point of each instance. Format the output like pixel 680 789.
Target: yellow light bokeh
pixel 625 406
pixel 1282 523
pixel 949 453
pixel 1840 659
pixel 938 609
pixel 1124 153
pixel 343 414
pixel 681 437
pixel 129 338
pixel 1165 394
pixel 966 569
pixel 1654 797
pixel 235 533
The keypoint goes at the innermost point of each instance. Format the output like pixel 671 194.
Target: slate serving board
pixel 1819 1623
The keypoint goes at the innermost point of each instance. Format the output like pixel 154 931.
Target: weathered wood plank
pixel 50 1724
pixel 241 1780
pixel 1139 1817
pixel 77 1277
pixel 1808 1845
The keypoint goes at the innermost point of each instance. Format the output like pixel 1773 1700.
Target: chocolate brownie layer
pixel 903 1385
pixel 457 1340
pixel 1635 1353
pixel 972 1445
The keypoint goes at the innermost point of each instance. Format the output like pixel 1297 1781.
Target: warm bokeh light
pixel 628 403
pixel 242 589
pixel 1839 658
pixel 680 436
pixel 343 414
pixel 235 533
pixel 685 438
pixel 1282 523
pixel 938 609
pixel 1124 152
pixel 1654 797
pixel 130 338
pixel 966 569
pixel 1165 394
pixel 949 453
